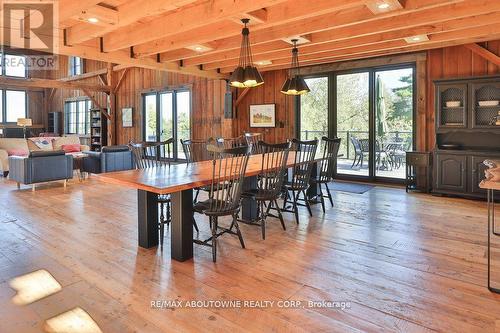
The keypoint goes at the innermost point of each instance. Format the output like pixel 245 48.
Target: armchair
pixel 111 158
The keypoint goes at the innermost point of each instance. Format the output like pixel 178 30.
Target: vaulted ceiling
pixel 203 37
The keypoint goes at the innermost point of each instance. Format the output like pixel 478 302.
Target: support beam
pixel 44 83
pixel 105 16
pixel 96 102
pixel 113 118
pixel 483 52
pixel 120 80
pixel 241 97
pixel 85 75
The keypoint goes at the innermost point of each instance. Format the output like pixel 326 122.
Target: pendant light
pixel 294 84
pixel 246 75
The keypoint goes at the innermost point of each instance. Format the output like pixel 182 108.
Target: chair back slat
pixel 228 171
pixel 252 140
pixel 230 142
pixel 152 154
pixel 329 159
pixel 195 150
pixel 273 167
pixel 304 158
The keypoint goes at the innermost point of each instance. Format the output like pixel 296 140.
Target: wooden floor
pixel 407 263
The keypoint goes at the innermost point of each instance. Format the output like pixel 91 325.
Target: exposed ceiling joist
pixel 280 14
pixel 44 83
pixel 99 15
pixel 70 8
pixel 128 13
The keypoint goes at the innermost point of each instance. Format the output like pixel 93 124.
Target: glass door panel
pixel 150 129
pixel 353 123
pixel 393 121
pixel 166 118
pixel 314 110
pixel 183 115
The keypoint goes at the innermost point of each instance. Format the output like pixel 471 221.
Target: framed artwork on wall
pixel 127 117
pixel 263 115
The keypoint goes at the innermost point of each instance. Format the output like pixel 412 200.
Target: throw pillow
pixel 17 152
pixel 71 148
pixel 42 143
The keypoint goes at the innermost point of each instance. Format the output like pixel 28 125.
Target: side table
pixel 418 160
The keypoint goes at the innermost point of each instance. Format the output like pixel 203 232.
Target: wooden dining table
pixel 179 180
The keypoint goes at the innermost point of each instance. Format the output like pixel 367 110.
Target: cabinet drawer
pixel 418 159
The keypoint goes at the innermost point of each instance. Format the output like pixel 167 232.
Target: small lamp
pixel 24 122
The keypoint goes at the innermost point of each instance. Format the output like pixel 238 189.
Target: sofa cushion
pixel 10 143
pixel 40 153
pixel 40 144
pixel 71 148
pixel 65 140
pixel 17 152
pixel 115 149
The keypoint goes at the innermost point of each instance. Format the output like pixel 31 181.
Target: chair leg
pixel 214 239
pixel 33 188
pixel 306 200
pixel 262 220
pixel 169 215
pixel 196 196
pixel 196 225
pixel 238 231
pixel 321 198
pixel 329 194
pixel 286 200
pixel 162 234
pixel 18 185
pixel 295 207
pixel 280 216
pixel 354 161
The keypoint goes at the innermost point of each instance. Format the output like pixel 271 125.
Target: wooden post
pixel 112 122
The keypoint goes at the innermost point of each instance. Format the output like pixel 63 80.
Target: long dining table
pixel 179 180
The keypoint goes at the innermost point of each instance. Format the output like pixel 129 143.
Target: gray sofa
pixel 41 166
pixel 111 158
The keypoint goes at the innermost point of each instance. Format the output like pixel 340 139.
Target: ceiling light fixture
pixel 383 6
pixel 294 84
pixel 264 62
pixel 93 20
pixel 246 75
pixel 417 39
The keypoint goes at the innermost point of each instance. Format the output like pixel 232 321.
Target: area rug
pixel 350 187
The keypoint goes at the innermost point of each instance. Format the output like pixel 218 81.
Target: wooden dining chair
pixel 252 140
pixel 328 165
pixel 301 174
pixel 157 154
pixel 195 150
pixel 269 182
pixel 228 171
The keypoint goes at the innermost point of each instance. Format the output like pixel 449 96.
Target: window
pixel 13 65
pixel 77 117
pixel 75 66
pixel 12 105
pixel 168 116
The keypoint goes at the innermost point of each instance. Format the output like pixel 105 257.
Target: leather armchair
pixel 41 166
pixel 111 158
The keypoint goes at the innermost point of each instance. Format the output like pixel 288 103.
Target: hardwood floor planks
pixel 409 263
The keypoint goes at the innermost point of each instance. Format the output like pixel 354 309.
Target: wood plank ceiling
pixel 202 37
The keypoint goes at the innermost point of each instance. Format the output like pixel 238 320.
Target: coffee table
pixel 78 164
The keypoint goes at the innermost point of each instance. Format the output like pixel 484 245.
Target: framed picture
pixel 127 117
pixel 263 115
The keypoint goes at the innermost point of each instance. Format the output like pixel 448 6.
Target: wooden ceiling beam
pixel 128 13
pixel 45 83
pixel 279 14
pixel 457 37
pixel 85 75
pixel 418 12
pixel 483 52
pixel 191 17
pixel 273 51
pixel 70 8
pixel 105 16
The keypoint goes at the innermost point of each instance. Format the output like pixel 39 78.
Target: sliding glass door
pixel 394 121
pixel 353 123
pixel 167 115
pixel 371 110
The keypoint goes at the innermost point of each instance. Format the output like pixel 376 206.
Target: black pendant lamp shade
pixel 294 84
pixel 246 75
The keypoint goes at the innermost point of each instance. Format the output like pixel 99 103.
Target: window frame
pixel 77 101
pixel 4 105
pixel 3 66
pixel 72 66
